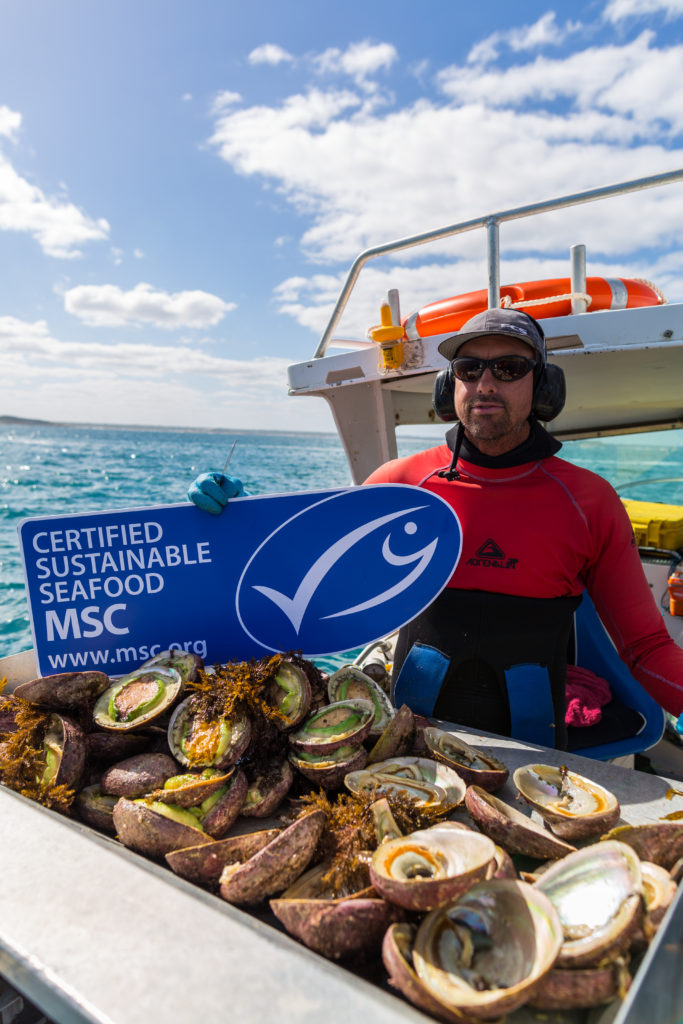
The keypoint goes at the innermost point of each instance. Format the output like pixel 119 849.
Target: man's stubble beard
pixel 491 428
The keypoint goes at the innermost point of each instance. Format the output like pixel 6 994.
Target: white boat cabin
pixel 623 366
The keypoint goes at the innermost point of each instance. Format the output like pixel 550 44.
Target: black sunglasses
pixel 506 368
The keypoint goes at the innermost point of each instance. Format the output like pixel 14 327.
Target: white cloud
pixel 24 338
pixel 359 60
pixel 365 179
pixel 618 10
pixel 108 306
pixel 10 122
pixel 21 334
pixel 223 100
pixel 270 53
pixel 626 84
pixel 587 78
pixel 92 382
pixel 363 176
pixel 544 32
pixel 485 50
pixel 278 142
pixel 58 226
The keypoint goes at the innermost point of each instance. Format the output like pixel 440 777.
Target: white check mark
pixel 295 607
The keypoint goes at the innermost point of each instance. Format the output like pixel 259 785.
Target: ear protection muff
pixel 550 390
pixel 550 393
pixel 443 397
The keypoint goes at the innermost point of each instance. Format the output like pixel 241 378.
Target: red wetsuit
pixel 542 529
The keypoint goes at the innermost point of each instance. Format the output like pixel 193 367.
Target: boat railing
pixel 491 223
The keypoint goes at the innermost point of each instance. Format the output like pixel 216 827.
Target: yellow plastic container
pixel 655 525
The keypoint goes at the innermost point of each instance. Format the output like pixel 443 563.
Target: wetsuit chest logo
pixel 491 556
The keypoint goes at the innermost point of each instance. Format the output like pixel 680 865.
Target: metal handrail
pixel 649 480
pixel 491 222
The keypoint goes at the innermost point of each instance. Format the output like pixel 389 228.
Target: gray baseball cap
pixel 511 322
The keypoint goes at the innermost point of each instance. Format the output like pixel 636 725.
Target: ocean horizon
pixel 56 469
pixel 7 420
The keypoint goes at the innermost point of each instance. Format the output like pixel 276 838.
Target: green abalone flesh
pixel 267 788
pixel 96 808
pixel 64 752
pixel 289 692
pixel 198 743
pixel 344 723
pixel 349 683
pixel 329 770
pixel 155 828
pixel 214 797
pixel 138 698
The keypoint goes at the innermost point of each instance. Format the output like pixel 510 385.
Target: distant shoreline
pixel 644 437
pixel 21 421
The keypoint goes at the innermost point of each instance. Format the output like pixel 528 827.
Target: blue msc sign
pixel 316 571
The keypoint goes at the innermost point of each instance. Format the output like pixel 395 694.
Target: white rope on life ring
pixel 507 303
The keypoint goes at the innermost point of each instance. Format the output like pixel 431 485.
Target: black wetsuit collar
pixel 538 445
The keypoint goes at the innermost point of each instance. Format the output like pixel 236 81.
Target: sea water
pixel 57 470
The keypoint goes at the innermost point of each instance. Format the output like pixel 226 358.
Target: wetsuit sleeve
pixel 412 469
pixel 386 474
pixel 624 601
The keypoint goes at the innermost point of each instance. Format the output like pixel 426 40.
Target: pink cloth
pixel 586 693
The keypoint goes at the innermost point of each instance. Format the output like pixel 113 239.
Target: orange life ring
pixel 539 298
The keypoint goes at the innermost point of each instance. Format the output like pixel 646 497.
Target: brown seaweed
pixel 23 757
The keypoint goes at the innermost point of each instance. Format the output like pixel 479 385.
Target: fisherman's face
pixel 495 414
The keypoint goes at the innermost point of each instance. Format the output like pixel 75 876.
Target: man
pixel 537 531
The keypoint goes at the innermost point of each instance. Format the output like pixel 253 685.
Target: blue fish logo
pixel 348 569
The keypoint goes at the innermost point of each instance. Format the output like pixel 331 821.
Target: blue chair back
pixel 596 652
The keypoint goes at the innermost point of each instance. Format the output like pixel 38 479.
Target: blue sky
pixel 183 185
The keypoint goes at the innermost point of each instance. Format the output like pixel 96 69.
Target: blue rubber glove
pixel 212 491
